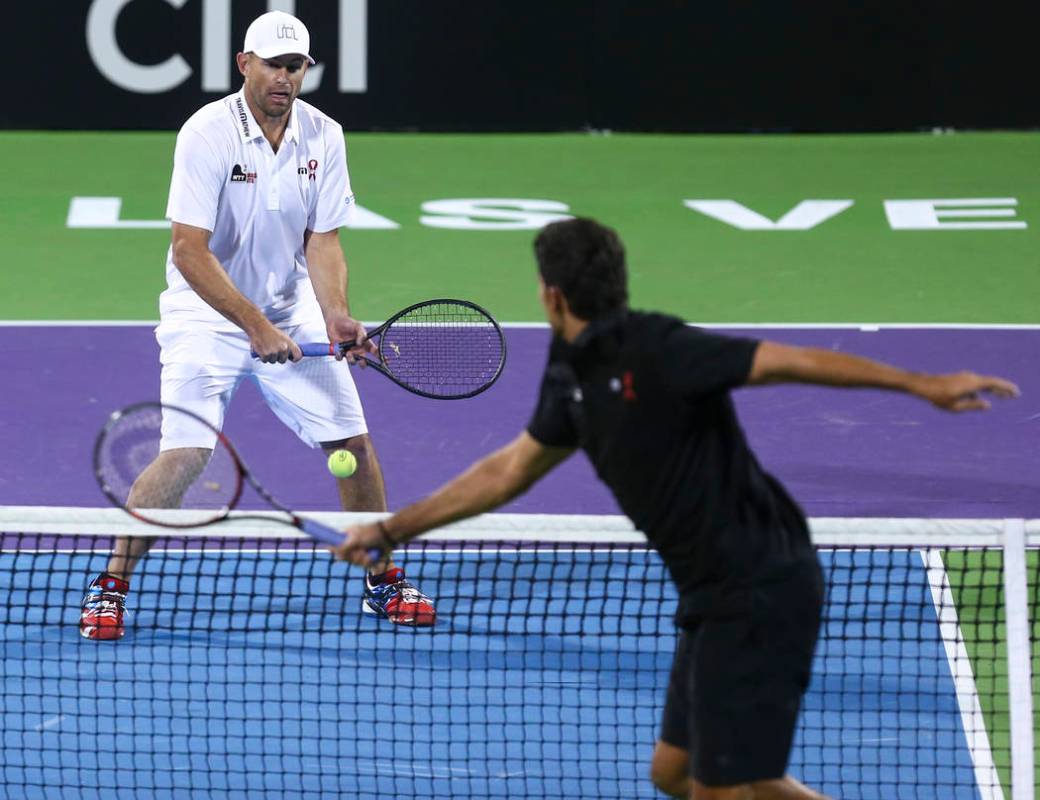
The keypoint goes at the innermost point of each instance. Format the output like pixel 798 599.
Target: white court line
pixel 1019 655
pixel 78 323
pixel 49 723
pixel 860 326
pixel 416 769
pixel 974 723
pixel 876 326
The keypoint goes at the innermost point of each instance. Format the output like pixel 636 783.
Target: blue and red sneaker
pixel 104 607
pixel 393 597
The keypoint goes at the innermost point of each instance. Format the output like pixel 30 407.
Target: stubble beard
pixel 271 112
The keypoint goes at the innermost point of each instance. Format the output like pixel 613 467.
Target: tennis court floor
pixel 253 673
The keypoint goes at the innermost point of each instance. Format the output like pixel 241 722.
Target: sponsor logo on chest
pixel 240 174
pixel 625 385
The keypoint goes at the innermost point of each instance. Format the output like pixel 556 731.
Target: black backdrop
pixel 648 65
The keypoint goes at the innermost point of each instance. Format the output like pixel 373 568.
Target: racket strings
pixel 200 478
pixel 443 349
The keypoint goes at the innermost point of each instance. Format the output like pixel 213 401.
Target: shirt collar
pixel 291 130
pixel 602 330
pixel 247 126
pixel 245 123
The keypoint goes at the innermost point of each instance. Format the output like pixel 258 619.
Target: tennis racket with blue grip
pixel 200 486
pixel 444 349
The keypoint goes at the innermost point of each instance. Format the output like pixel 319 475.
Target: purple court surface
pixel 841 453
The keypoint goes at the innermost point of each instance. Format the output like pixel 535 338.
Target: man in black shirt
pixel 647 398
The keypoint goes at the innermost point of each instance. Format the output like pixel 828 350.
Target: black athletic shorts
pixel 737 681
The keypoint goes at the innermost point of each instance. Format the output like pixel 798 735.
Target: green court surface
pixel 976 582
pixel 852 267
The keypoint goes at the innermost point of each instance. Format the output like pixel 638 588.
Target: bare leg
pixel 670 770
pixel 161 485
pixel 364 490
pixel 698 791
pixel 786 788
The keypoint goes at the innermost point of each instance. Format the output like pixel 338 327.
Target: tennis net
pixel 248 669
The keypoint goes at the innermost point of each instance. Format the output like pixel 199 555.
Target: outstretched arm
pixel 960 391
pixel 490 482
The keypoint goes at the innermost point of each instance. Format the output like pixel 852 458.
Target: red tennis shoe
pixel 394 598
pixel 104 607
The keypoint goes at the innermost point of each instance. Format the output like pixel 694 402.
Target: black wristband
pixel 388 541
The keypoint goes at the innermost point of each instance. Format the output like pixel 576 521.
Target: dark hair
pixel 585 261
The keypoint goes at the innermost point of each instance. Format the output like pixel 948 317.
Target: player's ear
pixel 242 59
pixel 563 308
pixel 555 302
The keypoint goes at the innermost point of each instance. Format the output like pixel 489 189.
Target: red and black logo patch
pixel 240 174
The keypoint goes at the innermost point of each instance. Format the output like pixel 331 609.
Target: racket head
pixel 445 349
pixel 197 486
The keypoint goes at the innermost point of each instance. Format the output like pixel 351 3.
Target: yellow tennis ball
pixel 342 464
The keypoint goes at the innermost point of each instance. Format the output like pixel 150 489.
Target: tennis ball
pixel 342 464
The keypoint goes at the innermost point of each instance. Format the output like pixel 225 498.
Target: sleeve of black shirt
pixel 699 363
pixel 551 423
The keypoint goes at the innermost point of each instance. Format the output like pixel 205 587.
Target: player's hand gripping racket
pixel 444 349
pixel 193 485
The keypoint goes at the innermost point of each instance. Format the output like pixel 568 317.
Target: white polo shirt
pixel 258 204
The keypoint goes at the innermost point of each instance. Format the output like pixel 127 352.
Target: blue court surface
pixel 252 673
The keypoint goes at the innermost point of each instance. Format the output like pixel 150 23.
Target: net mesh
pixel 248 668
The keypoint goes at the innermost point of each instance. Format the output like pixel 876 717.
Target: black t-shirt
pixel 647 398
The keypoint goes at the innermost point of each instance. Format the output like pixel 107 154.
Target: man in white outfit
pixel 259 191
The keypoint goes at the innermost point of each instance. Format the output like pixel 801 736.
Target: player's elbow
pixel 184 254
pixel 509 476
pixel 187 245
pixel 507 482
pixel 512 470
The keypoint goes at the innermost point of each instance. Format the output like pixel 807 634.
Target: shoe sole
pixel 101 632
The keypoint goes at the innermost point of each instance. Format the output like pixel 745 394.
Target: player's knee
pixel 671 783
pixel 185 463
pixel 668 770
pixel 698 791
pixel 361 446
pixel 786 788
pixel 363 449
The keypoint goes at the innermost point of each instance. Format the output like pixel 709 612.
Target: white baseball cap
pixel 277 34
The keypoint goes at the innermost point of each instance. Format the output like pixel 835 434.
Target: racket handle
pixel 323 533
pixel 323 348
pixel 316 349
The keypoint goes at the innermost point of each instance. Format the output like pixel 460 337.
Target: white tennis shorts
pixel 201 369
